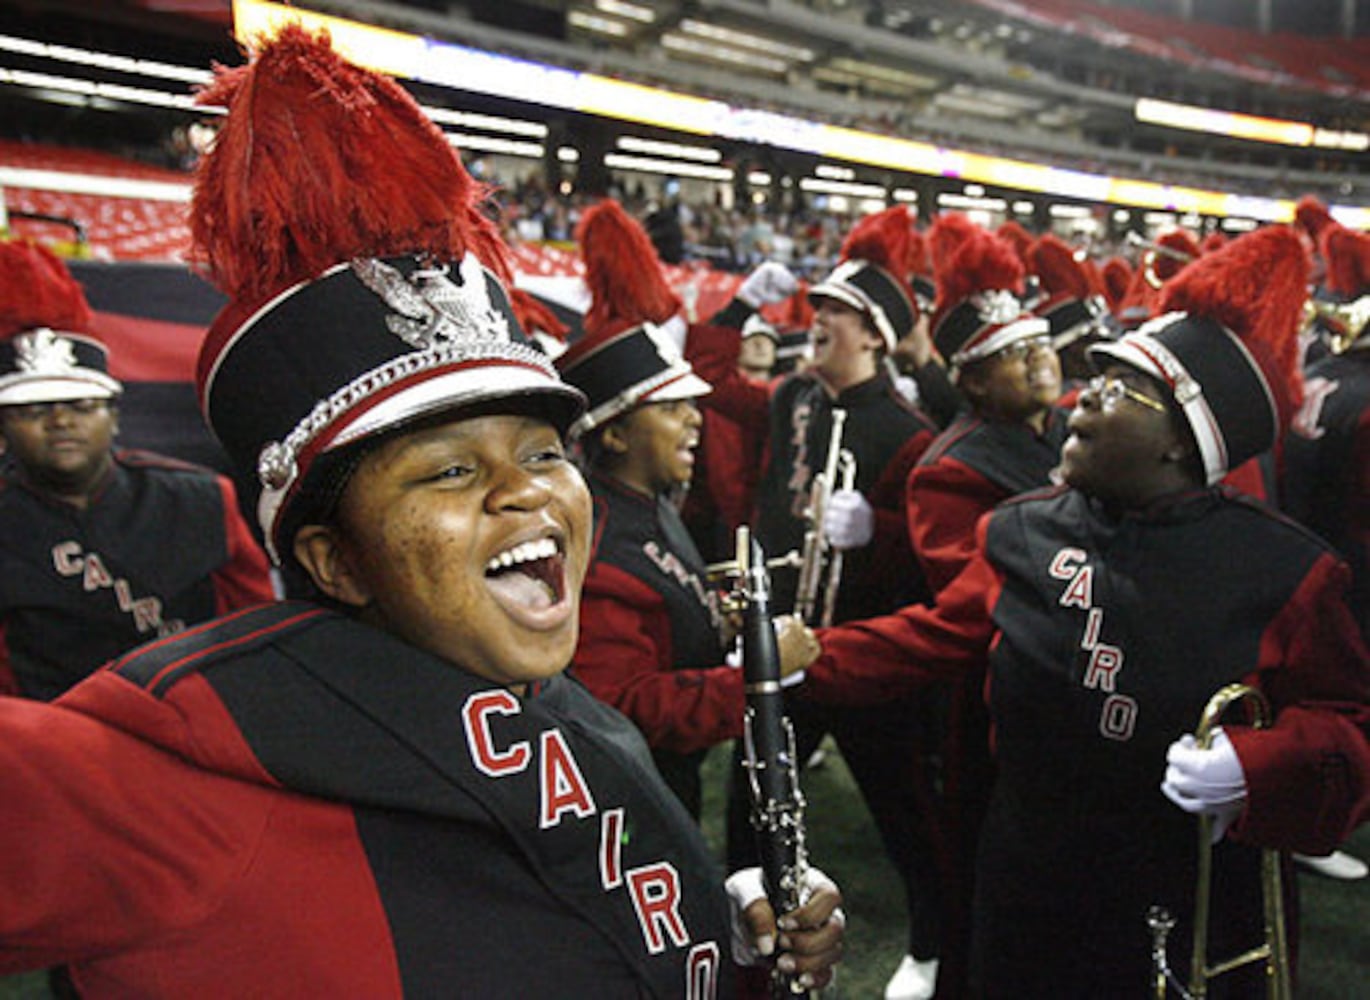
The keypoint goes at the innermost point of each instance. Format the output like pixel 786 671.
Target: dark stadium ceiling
pixel 949 71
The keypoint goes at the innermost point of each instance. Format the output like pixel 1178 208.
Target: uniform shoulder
pixel 134 458
pixel 1259 512
pixel 157 666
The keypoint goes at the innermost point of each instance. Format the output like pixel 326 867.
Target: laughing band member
pixel 387 786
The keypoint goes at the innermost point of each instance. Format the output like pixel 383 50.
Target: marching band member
pixel 652 633
pixel 1109 610
pixel 386 787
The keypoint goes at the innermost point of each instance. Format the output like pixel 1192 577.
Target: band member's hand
pixel 1209 782
pixel 770 283
pixel 849 521
pixel 796 643
pixel 807 941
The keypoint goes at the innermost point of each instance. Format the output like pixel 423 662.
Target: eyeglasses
pixel 1110 389
pixel 34 412
pixel 1020 349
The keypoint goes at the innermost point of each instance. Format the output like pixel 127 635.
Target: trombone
pixel 1274 951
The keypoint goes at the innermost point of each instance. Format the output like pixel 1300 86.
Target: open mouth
pixel 530 576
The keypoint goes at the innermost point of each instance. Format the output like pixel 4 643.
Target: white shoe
pixel 913 980
pixel 1338 864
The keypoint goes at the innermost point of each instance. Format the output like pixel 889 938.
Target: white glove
pixel 1206 781
pixel 744 887
pixel 770 283
pixel 849 521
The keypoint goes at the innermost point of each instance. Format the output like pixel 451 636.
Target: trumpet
pixel 1274 951
pixel 819 563
pixel 1343 321
pixel 1152 250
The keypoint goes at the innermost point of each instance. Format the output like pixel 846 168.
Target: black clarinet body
pixel 777 805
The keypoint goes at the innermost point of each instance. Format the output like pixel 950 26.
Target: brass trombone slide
pixel 1274 951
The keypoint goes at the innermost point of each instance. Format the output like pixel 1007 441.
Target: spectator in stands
pixel 100 549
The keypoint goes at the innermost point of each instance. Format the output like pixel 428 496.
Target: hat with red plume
pixel 1347 253
pixel 1176 249
pixel 919 271
pixel 1311 215
pixel 1117 275
pixel 630 353
pixel 1215 240
pixel 1226 346
pixel 978 310
pixel 1069 303
pixel 945 236
pixel 364 284
pixel 47 352
pixel 871 277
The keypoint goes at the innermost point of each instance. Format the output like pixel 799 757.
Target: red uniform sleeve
pixel 712 352
pixel 107 841
pixel 624 658
pixel 891 539
pixel 1308 776
pixel 945 500
pixel 869 662
pixel 245 577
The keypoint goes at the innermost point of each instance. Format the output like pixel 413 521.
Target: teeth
pixel 542 548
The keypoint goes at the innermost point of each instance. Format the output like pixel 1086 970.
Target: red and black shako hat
pixel 1068 302
pixel 870 277
pixel 1226 347
pixel 978 310
pixel 47 352
pixel 366 288
pixel 629 354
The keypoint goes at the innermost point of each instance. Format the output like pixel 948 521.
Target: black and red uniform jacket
pixel 1326 481
pixel 970 468
pixel 288 803
pixel 1105 637
pixel 651 634
pixel 885 434
pixel 161 545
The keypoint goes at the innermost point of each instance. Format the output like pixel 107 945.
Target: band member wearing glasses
pixel 1110 609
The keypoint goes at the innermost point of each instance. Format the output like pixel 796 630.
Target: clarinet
pixel 777 806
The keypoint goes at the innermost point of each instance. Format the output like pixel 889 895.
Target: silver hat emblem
pixel 42 352
pixel 997 306
pixel 431 309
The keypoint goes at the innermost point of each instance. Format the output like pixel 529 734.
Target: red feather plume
pixel 534 315
pixel 1347 253
pixel 37 290
pixel 1020 239
pixel 320 162
pixel 1311 215
pixel 622 271
pixel 883 239
pixel 984 262
pixel 1256 287
pixel 1215 240
pixel 1054 263
pixel 946 234
pixel 919 262
pixel 1117 275
pixel 1179 240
